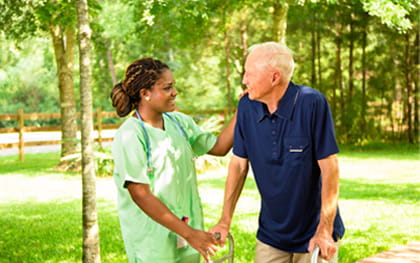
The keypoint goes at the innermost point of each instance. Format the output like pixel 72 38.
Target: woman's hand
pixel 223 230
pixel 203 242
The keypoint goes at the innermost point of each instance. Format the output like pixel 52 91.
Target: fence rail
pixel 99 126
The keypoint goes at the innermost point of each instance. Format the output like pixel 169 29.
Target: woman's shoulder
pixel 180 116
pixel 128 126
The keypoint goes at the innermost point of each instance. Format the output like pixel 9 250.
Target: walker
pixel 230 254
pixel 314 256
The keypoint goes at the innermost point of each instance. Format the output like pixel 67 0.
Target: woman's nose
pixel 174 92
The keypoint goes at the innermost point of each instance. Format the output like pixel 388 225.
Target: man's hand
pixel 325 243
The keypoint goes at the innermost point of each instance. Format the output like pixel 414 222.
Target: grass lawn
pixel 40 209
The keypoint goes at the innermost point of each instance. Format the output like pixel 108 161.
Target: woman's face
pixel 163 93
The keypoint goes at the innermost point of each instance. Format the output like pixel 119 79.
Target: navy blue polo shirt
pixel 283 149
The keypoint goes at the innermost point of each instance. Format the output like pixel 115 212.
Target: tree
pixel 281 9
pixel 90 220
pixel 23 18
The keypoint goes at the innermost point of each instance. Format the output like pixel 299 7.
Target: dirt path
pixel 41 136
pixel 404 254
pixel 50 187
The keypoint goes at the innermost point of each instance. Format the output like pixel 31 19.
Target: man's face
pixel 257 77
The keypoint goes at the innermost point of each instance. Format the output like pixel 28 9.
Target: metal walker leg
pixel 231 252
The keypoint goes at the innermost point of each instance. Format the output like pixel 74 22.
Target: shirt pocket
pixel 295 150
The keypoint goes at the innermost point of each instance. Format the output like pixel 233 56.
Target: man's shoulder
pixel 308 93
pixel 246 102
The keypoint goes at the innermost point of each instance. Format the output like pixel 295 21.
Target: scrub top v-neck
pixel 173 181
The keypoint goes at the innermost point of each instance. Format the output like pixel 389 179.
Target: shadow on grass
pixel 52 232
pixel 33 164
pixel 219 183
pixel 363 189
pixel 399 151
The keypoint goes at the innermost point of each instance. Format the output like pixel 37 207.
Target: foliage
pixel 103 160
pixel 392 13
pixel 28 79
pixel 17 19
pixel 213 124
pixel 205 44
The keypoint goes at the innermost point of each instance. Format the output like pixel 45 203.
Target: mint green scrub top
pixel 173 181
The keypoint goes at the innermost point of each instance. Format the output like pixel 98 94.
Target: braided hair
pixel 141 74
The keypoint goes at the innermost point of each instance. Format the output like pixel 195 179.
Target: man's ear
pixel 276 78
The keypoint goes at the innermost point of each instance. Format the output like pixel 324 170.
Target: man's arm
pixel 329 201
pixel 237 172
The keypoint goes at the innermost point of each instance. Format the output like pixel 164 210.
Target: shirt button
pixel 273 132
pixel 274 153
pixel 273 121
pixel 274 143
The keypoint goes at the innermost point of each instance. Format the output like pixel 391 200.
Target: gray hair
pixel 278 56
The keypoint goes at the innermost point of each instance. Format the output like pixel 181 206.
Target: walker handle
pixel 231 252
pixel 314 256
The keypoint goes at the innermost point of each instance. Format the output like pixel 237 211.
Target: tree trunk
pixel 64 43
pixel 227 70
pixel 408 98
pixel 91 251
pixel 416 67
pixel 364 70
pixel 244 49
pixel 110 62
pixel 313 52
pixel 351 56
pixel 318 43
pixel 338 77
pixel 281 8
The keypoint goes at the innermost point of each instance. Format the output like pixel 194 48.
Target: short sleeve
pixel 239 147
pixel 201 141
pixel 130 158
pixel 323 129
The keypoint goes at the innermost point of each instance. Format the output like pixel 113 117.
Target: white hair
pixel 278 56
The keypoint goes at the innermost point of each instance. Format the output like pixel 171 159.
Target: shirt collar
pixel 286 105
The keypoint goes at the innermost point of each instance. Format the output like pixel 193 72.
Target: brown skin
pixel 154 102
pixel 266 84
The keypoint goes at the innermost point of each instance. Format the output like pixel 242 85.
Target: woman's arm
pixel 225 140
pixel 201 241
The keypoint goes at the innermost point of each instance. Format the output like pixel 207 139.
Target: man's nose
pixel 244 80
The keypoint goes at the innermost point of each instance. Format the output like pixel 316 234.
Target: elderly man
pixel 286 132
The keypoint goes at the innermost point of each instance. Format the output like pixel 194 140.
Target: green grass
pixel 379 202
pixel 34 164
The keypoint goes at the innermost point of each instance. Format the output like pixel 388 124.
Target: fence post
pixel 225 117
pixel 99 125
pixel 21 128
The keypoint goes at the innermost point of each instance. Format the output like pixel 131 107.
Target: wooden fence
pixel 99 126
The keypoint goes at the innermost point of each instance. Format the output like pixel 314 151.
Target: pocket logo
pixel 296 150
